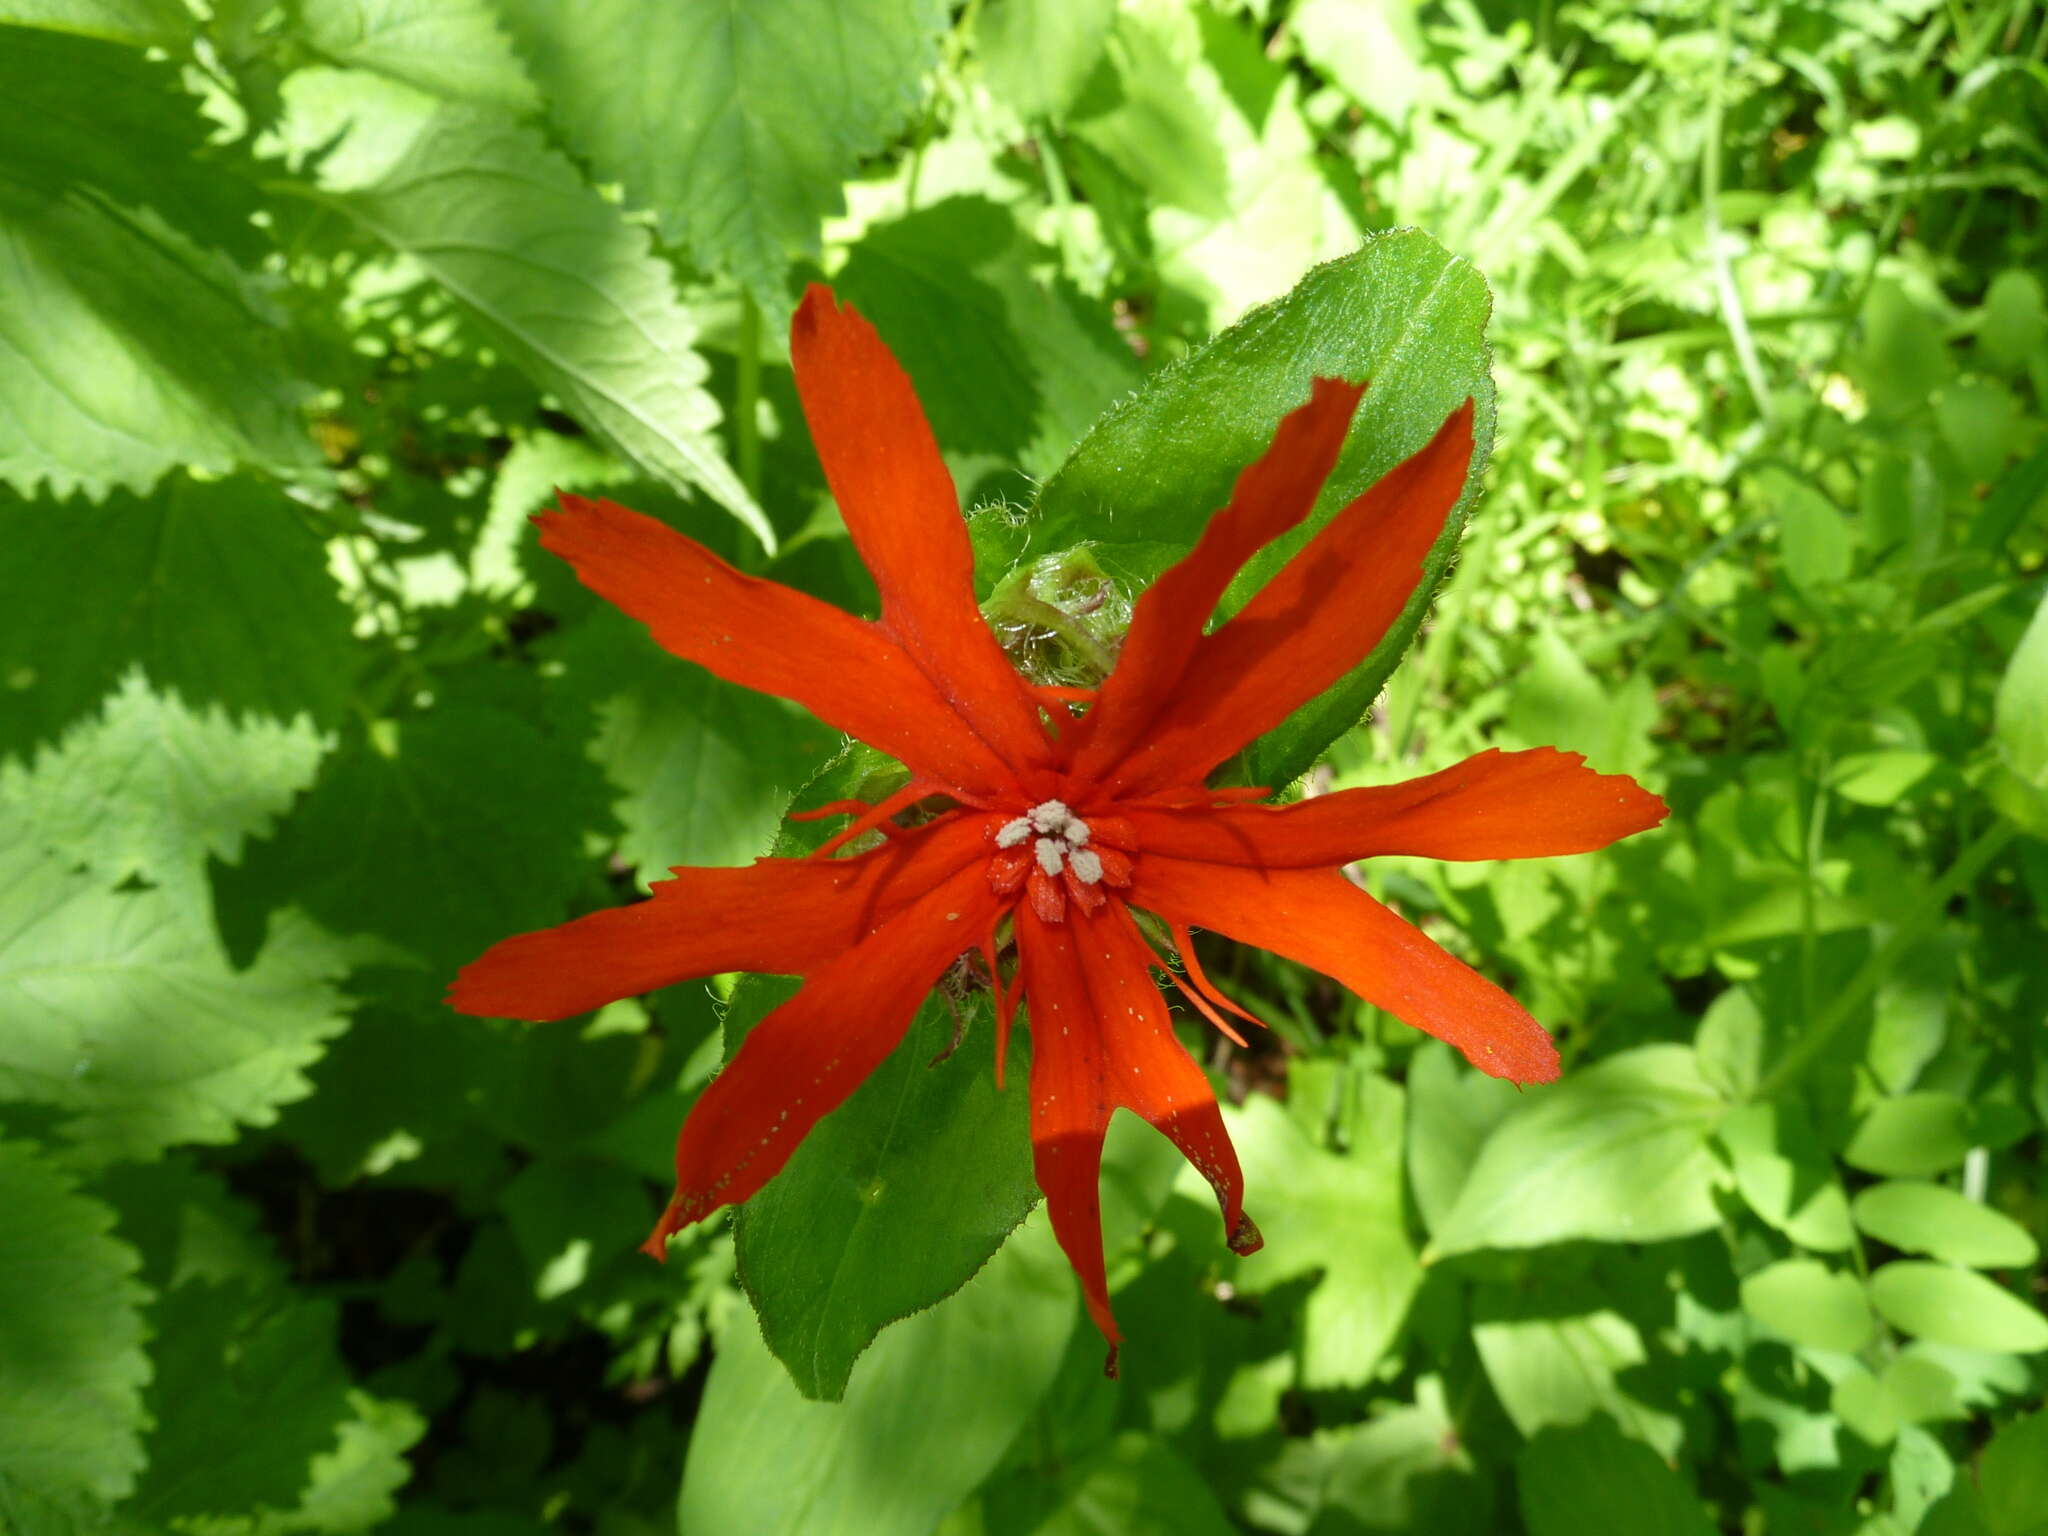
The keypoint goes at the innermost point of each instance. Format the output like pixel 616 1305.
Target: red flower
pixel 1059 823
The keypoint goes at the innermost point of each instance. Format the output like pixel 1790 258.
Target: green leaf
pixel 1911 1135
pixel 1372 48
pixel 753 117
pixel 1154 127
pixel 894 1200
pixel 1137 1487
pixel 448 48
pixel 1452 1109
pixel 354 1487
pixel 1912 1389
pixel 441 834
pixel 2013 1476
pixel 154 789
pixel 1810 1304
pixel 1785 1174
pixel 552 271
pixel 1337 1213
pixel 2020 718
pixel 1141 485
pixel 1926 1218
pixel 951 289
pixel 71 1335
pixel 1553 1365
pixel 1616 1152
pixel 1956 1307
pixel 1593 1480
pixel 132 348
pixel 124 1013
pixel 1814 538
pixel 140 23
pixel 1038 54
pixel 940 1400
pixel 218 591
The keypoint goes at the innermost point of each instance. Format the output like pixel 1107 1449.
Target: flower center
pixel 1058 839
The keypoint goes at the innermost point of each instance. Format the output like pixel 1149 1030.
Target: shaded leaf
pixel 1039 53
pixel 71 1333
pixel 1593 1480
pixel 218 591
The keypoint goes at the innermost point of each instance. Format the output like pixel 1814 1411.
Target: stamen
pixel 1051 816
pixel 1048 851
pixel 1087 866
pixel 1011 833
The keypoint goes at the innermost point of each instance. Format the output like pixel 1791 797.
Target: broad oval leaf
pixel 1616 1153
pixel 1402 313
pixel 1926 1218
pixel 1957 1307
pixel 1810 1304
pixel 934 1410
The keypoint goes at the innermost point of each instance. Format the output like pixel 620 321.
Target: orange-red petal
pixel 1101 1040
pixel 772 638
pixel 1322 920
pixel 1494 805
pixel 782 916
pixel 1270 497
pixel 1314 621
pixel 801 1061
pixel 903 513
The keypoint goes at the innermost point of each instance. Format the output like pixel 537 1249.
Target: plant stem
pixel 1807 1049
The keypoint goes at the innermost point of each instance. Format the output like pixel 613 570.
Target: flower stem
pixel 1807 1049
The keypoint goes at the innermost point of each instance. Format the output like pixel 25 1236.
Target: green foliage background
pixel 303 310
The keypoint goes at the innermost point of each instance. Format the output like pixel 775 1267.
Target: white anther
pixel 1048 851
pixel 1077 832
pixel 1011 833
pixel 1051 817
pixel 1087 866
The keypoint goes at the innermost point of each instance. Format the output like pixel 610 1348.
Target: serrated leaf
pixel 935 1407
pixel 1926 1218
pixel 1956 1307
pixel 442 834
pixel 124 1014
pixel 1038 54
pixel 1337 1213
pixel 134 352
pixel 1616 1152
pixel 449 48
pixel 71 1333
pixel 140 23
pixel 553 272
pixel 154 789
pixel 218 591
pixel 1142 484
pixel 751 117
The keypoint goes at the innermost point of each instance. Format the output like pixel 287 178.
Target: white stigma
pixel 1061 840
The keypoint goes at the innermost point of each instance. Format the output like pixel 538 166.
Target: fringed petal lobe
pixel 903 512
pixel 1271 496
pixel 1494 805
pixel 785 917
pixel 1322 920
pixel 799 1063
pixel 771 638
pixel 1314 621
pixel 1101 1040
